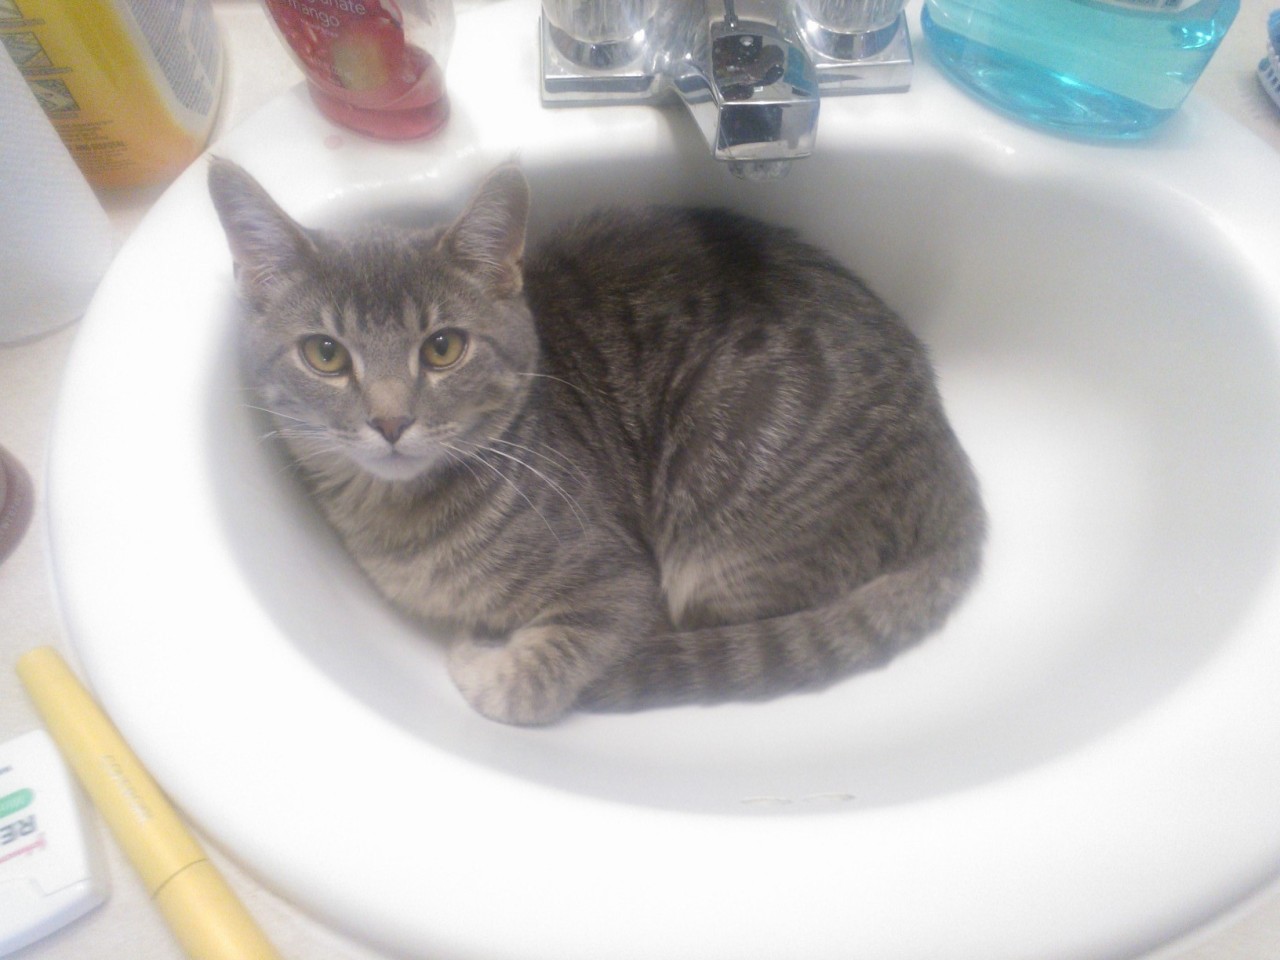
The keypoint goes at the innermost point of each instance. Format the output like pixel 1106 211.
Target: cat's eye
pixel 325 355
pixel 444 348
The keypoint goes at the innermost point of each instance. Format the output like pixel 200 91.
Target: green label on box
pixel 13 802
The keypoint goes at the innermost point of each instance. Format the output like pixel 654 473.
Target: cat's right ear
pixel 266 243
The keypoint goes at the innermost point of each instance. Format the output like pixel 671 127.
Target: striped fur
pixel 684 457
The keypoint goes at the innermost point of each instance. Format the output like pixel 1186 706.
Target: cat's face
pixel 395 350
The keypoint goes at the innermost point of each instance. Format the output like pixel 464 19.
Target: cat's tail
pixel 805 650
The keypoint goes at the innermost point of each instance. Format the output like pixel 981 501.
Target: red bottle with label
pixel 374 66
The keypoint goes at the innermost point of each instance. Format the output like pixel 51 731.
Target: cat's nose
pixel 392 428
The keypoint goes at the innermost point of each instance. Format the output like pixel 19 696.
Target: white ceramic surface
pixel 1084 764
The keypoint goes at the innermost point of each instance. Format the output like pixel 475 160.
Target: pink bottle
pixel 375 66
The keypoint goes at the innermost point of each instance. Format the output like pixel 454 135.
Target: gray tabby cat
pixel 676 456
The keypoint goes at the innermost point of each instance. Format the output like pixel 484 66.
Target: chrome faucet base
pixel 577 74
pixel 877 61
pixel 750 72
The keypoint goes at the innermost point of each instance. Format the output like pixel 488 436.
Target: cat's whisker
pixel 275 413
pixel 319 445
pixel 562 464
pixel 456 456
pixel 511 483
pixel 570 501
pixel 557 458
pixel 290 465
pixel 291 468
pixel 314 437
pixel 547 376
pixel 297 464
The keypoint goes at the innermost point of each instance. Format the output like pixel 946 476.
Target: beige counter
pixel 127 927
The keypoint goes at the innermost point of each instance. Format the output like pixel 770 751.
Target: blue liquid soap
pixel 1097 69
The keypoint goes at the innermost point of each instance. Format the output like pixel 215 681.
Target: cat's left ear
pixel 489 236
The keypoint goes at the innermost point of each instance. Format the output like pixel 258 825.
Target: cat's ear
pixel 266 243
pixel 489 236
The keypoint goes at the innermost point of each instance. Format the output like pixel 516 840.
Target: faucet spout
pixel 749 71
pixel 740 68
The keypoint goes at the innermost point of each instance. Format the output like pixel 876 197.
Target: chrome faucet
pixel 750 72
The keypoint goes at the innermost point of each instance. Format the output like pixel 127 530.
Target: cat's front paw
pixel 517 682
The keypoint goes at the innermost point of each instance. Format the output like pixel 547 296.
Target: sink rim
pixel 1087 795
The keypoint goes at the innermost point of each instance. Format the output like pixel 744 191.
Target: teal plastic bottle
pixel 1098 69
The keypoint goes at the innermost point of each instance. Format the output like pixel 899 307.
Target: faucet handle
pixel 857 46
pixel 600 22
pixel 851 16
pixel 598 51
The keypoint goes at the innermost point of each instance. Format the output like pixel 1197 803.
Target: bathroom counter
pixel 127 925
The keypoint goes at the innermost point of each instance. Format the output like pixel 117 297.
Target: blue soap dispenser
pixel 1097 69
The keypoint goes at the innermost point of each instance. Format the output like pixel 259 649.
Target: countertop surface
pixel 127 925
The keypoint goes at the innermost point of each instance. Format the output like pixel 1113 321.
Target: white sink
pixel 1084 764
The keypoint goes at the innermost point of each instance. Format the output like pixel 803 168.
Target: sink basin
pixel 1083 764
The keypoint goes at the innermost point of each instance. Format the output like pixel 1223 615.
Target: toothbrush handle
pixel 203 912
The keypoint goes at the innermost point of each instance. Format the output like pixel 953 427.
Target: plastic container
pixel 132 86
pixel 374 66
pixel 56 237
pixel 1098 69
pixel 1269 66
pixel 51 865
pixel 16 502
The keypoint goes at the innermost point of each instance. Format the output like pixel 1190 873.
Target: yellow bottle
pixel 132 86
